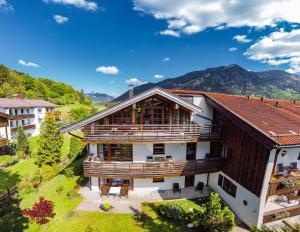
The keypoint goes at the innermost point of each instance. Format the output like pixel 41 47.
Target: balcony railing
pixel 111 169
pixel 151 133
pixel 25 127
pixel 3 142
pixel 23 116
pixel 280 214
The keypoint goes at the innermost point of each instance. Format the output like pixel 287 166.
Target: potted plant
pixel 106 206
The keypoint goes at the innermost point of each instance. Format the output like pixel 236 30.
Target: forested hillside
pixel 13 82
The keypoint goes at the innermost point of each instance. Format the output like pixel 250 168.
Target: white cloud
pixel 279 47
pixel 4 5
pixel 166 59
pixel 135 82
pixel 28 64
pixel 242 39
pixel 112 70
pixel 232 49
pixel 192 16
pixel 170 33
pixel 60 19
pixel 88 5
pixel 158 76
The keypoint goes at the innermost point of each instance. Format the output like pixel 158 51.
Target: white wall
pixel 176 150
pixel 146 186
pixel 201 177
pixel 93 148
pixel 202 149
pixel 290 156
pixel 207 111
pixel 248 214
pixel 94 183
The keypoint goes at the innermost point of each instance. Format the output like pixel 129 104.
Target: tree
pixel 22 145
pixel 50 142
pixel 76 147
pixel 215 218
pixel 78 114
pixel 41 211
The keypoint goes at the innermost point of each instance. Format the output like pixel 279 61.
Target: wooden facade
pixel 25 127
pixel 112 169
pixel 280 214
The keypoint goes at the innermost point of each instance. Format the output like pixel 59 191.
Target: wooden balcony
pixel 26 127
pixel 280 214
pixel 111 169
pixel 3 142
pixel 151 133
pixel 23 116
pixel 278 187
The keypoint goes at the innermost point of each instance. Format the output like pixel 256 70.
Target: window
pixel 27 111
pixel 191 150
pixel 159 149
pixel 298 156
pixel 117 152
pixel 16 112
pixel 10 111
pixel 22 111
pixel 158 180
pixel 227 185
pixel 40 110
pixel 23 122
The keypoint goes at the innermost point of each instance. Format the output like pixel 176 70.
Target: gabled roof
pixel 24 103
pixel 129 102
pixel 279 120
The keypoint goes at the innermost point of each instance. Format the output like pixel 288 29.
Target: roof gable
pixel 129 102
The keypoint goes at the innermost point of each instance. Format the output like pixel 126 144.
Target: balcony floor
pixel 92 200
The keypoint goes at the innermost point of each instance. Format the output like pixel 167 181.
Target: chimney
pixel 277 104
pixel 262 99
pixel 294 101
pixel 130 91
pixel 248 97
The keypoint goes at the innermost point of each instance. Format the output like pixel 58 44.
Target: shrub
pixel 25 187
pixel 7 160
pixel 20 154
pixel 59 188
pixel 215 217
pixel 106 206
pixel 92 229
pixel 22 142
pixel 41 211
pixel 72 194
pixel 47 172
pixel 76 147
pixel 68 172
pixel 172 211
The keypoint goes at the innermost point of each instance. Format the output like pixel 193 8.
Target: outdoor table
pixel 115 191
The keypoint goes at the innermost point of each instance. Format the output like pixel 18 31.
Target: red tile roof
pixel 26 103
pixel 279 119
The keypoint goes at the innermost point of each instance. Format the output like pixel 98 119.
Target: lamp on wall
pixel 283 153
pixel 245 202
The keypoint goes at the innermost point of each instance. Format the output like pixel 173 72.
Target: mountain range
pixel 232 79
pixel 99 97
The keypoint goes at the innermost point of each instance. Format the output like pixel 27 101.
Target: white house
pixel 24 113
pixel 245 148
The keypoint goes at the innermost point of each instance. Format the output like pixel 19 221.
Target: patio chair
pixel 124 191
pixel 280 169
pixel 293 166
pixel 176 188
pixel 104 190
pixel 200 187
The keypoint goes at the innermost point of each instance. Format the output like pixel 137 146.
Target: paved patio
pixel 92 200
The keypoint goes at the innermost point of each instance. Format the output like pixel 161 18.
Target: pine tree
pixel 50 142
pixel 22 144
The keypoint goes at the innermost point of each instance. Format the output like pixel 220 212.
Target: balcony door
pixel 191 150
pixel 117 152
pixel 189 181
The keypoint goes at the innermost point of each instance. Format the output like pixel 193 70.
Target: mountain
pixel 99 97
pixel 14 83
pixel 232 79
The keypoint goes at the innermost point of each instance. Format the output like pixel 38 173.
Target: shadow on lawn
pixel 152 221
pixel 8 179
pixel 11 218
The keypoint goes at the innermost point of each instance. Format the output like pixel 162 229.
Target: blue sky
pixel 134 41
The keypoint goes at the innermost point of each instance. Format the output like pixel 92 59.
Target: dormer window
pixel 298 156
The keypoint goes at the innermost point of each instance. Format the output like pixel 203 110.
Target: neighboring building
pixel 24 113
pixel 245 148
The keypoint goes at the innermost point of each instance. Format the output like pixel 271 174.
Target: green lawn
pixel 68 108
pixel 12 175
pixel 25 168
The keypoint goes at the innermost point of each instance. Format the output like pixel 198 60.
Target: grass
pixel 26 168
pixel 68 108
pixel 12 175
pixel 4 159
